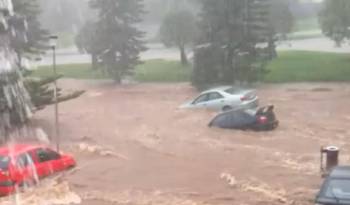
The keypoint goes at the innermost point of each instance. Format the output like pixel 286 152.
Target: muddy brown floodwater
pixel 134 146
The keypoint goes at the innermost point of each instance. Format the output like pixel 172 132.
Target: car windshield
pixel 338 188
pixel 4 163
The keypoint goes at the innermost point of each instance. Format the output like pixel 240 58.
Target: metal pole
pixel 57 130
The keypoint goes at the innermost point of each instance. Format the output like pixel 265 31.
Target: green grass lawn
pixel 163 71
pixel 77 71
pixel 290 66
pixel 303 66
pixel 150 71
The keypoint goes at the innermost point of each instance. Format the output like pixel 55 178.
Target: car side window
pixel 202 98
pixel 215 96
pixel 45 155
pixel 24 160
pixel 4 162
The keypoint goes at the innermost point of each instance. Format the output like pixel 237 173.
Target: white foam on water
pixel 49 193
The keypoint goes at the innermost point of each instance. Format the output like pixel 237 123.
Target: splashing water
pixel 6 5
pixel 50 193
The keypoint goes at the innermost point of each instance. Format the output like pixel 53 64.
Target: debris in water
pixel 253 185
pixel 95 94
pixel 308 168
pixel 229 178
pixel 258 187
pixel 96 149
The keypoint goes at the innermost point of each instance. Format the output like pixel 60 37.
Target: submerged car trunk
pixel 249 95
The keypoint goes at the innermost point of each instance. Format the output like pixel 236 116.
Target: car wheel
pixel 226 108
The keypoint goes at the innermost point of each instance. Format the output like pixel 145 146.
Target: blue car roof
pixel 340 172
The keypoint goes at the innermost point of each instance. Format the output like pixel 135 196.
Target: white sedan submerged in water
pixel 224 98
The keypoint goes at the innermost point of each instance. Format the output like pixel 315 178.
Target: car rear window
pixel 45 155
pixel 4 163
pixel 233 90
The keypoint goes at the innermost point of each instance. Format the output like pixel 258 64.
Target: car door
pixel 215 101
pixel 201 101
pixel 24 168
pixel 47 162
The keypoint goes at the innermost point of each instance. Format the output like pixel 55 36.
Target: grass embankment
pixel 303 66
pixel 290 66
pixel 149 71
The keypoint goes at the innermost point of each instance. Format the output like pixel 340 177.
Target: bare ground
pixel 134 146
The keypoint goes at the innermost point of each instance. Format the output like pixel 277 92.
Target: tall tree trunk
pixel 184 60
pixel 338 43
pixel 94 61
pixel 117 78
pixel 116 73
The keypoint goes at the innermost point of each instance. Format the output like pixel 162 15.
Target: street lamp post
pixel 53 44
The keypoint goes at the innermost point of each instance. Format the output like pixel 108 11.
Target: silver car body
pixel 224 98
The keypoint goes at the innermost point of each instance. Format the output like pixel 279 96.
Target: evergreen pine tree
pixel 281 17
pixel 118 37
pixel 335 20
pixel 87 42
pixel 178 29
pixel 15 106
pixel 33 38
pixel 241 29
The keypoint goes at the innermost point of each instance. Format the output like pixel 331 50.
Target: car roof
pixel 17 149
pixel 216 89
pixel 340 172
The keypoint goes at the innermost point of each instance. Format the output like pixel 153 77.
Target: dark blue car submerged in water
pixel 262 119
pixel 336 188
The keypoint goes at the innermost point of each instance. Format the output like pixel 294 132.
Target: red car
pixel 24 164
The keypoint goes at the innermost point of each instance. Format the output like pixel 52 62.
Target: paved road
pixel 157 51
pixel 315 44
